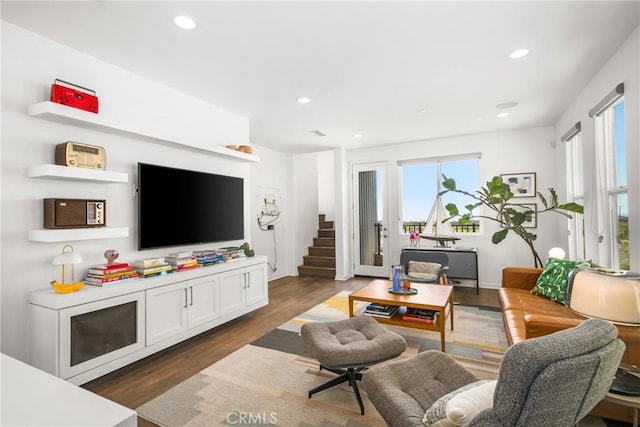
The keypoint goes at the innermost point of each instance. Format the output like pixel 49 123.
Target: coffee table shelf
pixel 438 298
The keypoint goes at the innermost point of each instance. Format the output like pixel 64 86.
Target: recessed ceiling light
pixel 184 22
pixel 518 53
pixel 303 100
pixel 505 105
pixel 357 135
pixel 503 115
pixel 424 110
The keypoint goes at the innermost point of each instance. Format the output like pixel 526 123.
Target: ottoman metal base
pixel 351 375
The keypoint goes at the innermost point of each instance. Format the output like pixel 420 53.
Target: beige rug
pixel 266 382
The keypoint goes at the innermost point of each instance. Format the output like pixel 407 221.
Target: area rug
pixel 266 382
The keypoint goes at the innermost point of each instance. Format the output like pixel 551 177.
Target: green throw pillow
pixel 552 282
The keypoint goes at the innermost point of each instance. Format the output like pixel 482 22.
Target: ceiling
pixel 391 71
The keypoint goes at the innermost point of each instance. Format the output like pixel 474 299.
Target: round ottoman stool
pixel 347 347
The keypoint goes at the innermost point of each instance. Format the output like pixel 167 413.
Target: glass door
pixel 370 219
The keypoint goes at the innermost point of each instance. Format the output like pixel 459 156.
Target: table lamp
pixel 609 295
pixel 67 259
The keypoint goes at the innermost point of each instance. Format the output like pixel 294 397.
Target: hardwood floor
pixel 142 381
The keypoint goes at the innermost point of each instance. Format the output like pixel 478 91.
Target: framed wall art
pixel 521 184
pixel 532 218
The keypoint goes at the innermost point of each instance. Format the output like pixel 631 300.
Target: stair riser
pixel 312 261
pixel 325 225
pixel 322 217
pixel 327 233
pixel 324 242
pixel 315 251
pixel 311 271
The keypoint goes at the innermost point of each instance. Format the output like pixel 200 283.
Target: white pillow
pixel 460 406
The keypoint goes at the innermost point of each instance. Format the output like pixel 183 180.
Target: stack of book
pixel 419 315
pixel 109 274
pixel 232 253
pixel 208 257
pixel 381 310
pixel 182 261
pixel 151 267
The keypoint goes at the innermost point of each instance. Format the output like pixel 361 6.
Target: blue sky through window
pixel 420 186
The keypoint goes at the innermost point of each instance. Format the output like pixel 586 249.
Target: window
pixel 420 182
pixel 611 149
pixel 575 193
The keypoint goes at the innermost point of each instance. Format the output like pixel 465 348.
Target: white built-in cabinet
pixel 170 309
pixel 176 308
pixel 242 288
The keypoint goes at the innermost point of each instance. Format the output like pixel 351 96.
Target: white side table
pixel 629 401
pixel 31 397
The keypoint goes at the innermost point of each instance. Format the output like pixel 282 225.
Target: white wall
pixel 271 174
pixel 326 185
pixel 29 65
pixel 623 67
pixel 504 152
pixel 305 205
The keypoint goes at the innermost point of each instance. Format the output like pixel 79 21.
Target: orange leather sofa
pixel 527 316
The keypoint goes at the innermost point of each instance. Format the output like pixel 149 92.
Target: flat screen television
pixel 183 207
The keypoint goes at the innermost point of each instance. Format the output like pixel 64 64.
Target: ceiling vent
pixel 317 132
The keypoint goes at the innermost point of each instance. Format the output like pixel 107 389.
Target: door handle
pixel 185 297
pixel 191 299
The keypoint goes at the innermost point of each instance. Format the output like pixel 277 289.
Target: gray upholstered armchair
pixel 553 380
pixel 423 259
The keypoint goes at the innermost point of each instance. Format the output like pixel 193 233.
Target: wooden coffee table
pixel 438 298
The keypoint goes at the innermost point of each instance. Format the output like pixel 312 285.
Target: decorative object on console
pixel 495 197
pixel 606 294
pixel 74 213
pixel 75 96
pixel 245 149
pixel 111 255
pixel 556 253
pixel 77 154
pixel 67 259
pixel 247 249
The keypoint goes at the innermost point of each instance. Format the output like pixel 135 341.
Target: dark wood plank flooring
pixel 140 382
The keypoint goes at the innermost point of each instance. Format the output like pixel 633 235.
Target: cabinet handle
pixel 185 297
pixel 191 300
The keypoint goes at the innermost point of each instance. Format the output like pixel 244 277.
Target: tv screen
pixel 183 207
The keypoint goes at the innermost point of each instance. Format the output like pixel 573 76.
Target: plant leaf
pixel 499 236
pixel 452 208
pixel 449 183
pixel 571 207
pixel 542 199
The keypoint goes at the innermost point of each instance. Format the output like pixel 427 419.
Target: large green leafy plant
pixel 496 197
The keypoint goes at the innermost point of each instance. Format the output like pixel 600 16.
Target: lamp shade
pixel 613 297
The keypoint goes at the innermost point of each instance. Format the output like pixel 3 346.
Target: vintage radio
pixel 66 93
pixel 74 213
pixel 81 155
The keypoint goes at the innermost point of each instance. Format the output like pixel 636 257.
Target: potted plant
pixel 496 197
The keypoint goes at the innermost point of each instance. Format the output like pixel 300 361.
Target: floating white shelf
pixel 64 235
pixel 76 174
pixel 60 113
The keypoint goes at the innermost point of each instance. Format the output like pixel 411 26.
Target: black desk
pixel 463 262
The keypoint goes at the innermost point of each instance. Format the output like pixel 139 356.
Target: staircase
pixel 321 260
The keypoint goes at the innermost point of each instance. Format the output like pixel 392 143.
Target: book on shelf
pixel 183 254
pixel 418 312
pixel 109 269
pixel 186 267
pixel 98 282
pixel 148 263
pixel 418 319
pixel 146 272
pixel 113 277
pixel 381 310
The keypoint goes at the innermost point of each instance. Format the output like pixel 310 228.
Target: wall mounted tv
pixel 183 207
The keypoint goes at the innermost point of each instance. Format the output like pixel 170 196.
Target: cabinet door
pixel 232 284
pixel 166 312
pixel 256 288
pixel 202 301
